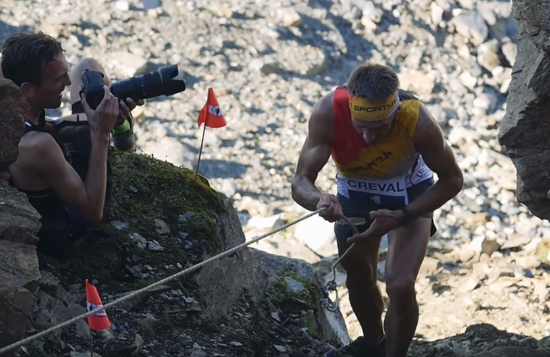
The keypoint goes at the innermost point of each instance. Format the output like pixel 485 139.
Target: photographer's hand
pixel 126 108
pixel 103 118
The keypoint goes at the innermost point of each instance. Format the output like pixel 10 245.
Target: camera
pixel 167 80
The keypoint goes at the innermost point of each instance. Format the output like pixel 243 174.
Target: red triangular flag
pixel 98 321
pixel 211 115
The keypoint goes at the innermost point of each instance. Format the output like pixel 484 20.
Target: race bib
pixel 381 192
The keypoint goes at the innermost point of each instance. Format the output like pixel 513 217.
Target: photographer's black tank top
pixel 55 231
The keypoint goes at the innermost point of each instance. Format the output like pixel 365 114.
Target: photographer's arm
pixel 87 197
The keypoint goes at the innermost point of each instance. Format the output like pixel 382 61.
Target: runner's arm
pixel 439 157
pixel 314 155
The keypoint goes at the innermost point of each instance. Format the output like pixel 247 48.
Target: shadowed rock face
pixel 525 129
pixel 513 352
pixel 13 108
pixel 19 223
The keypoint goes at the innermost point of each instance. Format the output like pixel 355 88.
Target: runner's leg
pixel 361 266
pixel 407 248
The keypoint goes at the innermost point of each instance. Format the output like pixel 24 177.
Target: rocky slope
pixel 250 304
pixel 161 220
pixel 269 62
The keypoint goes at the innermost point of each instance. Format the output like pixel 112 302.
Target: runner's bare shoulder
pixel 427 127
pixel 321 122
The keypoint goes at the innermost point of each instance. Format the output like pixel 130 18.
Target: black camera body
pixel 167 80
pixel 92 87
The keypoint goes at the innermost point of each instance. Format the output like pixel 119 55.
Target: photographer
pixel 66 199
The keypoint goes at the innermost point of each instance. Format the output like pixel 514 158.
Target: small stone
pixel 294 286
pixel 543 250
pixel 151 4
pixel 429 266
pixel 148 325
pixel 194 307
pixel 154 245
pixel 371 13
pixel 436 14
pixel 417 81
pixel 197 352
pixel 119 225
pixel 271 67
pixel 289 17
pixel 122 5
pixel 185 217
pixel 487 55
pixel 142 242
pixel 467 80
pixel 189 300
pixel 162 228
pixel 129 64
pixel 466 254
pixel 471 26
pixel 48 280
pixel 510 51
pixel 223 10
pixel 489 246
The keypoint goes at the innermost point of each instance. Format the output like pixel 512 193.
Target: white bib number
pixel 376 200
pixel 380 192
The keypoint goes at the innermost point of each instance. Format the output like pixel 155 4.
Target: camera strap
pixel 73 120
pixel 77 107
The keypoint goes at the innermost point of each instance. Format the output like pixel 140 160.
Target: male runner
pixel 386 146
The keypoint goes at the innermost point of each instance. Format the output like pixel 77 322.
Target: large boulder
pixel 482 340
pixel 19 223
pixel 525 130
pixel 163 220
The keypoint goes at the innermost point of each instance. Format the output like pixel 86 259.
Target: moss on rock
pixel 295 295
pixel 291 292
pixel 146 193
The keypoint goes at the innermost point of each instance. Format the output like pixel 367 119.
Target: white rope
pixel 160 282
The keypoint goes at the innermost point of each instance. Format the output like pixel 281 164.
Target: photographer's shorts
pixel 358 207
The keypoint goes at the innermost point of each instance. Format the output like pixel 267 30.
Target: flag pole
pixel 200 150
pixel 91 345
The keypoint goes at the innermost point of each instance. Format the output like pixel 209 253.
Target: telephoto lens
pixel 167 80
